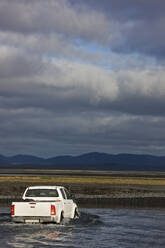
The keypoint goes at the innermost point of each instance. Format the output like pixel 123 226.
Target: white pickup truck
pixel 44 204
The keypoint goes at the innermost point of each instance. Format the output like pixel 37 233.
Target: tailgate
pixel 32 208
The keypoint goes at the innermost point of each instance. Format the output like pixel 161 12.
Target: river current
pixel 96 228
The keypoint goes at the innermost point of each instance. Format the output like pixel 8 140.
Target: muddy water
pixel 114 228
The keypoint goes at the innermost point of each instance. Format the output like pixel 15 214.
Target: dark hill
pixel 88 161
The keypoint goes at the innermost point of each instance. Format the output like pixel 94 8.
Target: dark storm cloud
pixel 99 132
pixel 124 10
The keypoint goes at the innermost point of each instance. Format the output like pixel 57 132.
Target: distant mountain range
pixel 89 161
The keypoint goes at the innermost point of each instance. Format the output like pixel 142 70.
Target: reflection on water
pixel 95 228
pixel 41 238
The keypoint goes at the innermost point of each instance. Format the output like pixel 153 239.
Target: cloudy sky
pixel 79 76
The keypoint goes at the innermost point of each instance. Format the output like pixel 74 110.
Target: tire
pixel 60 218
pixel 76 214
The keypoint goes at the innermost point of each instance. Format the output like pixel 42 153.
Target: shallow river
pixel 95 228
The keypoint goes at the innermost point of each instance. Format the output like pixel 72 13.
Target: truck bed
pixel 35 211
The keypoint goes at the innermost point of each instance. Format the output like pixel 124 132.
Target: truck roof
pixel 44 187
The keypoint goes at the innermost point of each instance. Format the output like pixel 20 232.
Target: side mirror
pixel 73 196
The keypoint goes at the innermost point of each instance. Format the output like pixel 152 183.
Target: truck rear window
pixel 42 193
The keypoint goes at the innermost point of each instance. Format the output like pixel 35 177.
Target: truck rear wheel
pixel 61 217
pixel 76 213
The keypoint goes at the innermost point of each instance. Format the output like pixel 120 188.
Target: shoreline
pixel 92 189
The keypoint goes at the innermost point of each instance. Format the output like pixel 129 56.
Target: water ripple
pixel 96 228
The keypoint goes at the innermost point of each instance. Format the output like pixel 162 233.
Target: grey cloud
pixel 81 133
pixel 127 9
pixel 48 46
pixel 140 25
pixel 140 92
pixel 14 63
pixel 51 16
pixel 59 94
pixel 122 26
pixel 76 87
pixel 146 37
pixel 38 117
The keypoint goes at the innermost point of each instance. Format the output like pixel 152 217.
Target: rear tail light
pixel 12 210
pixel 53 210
